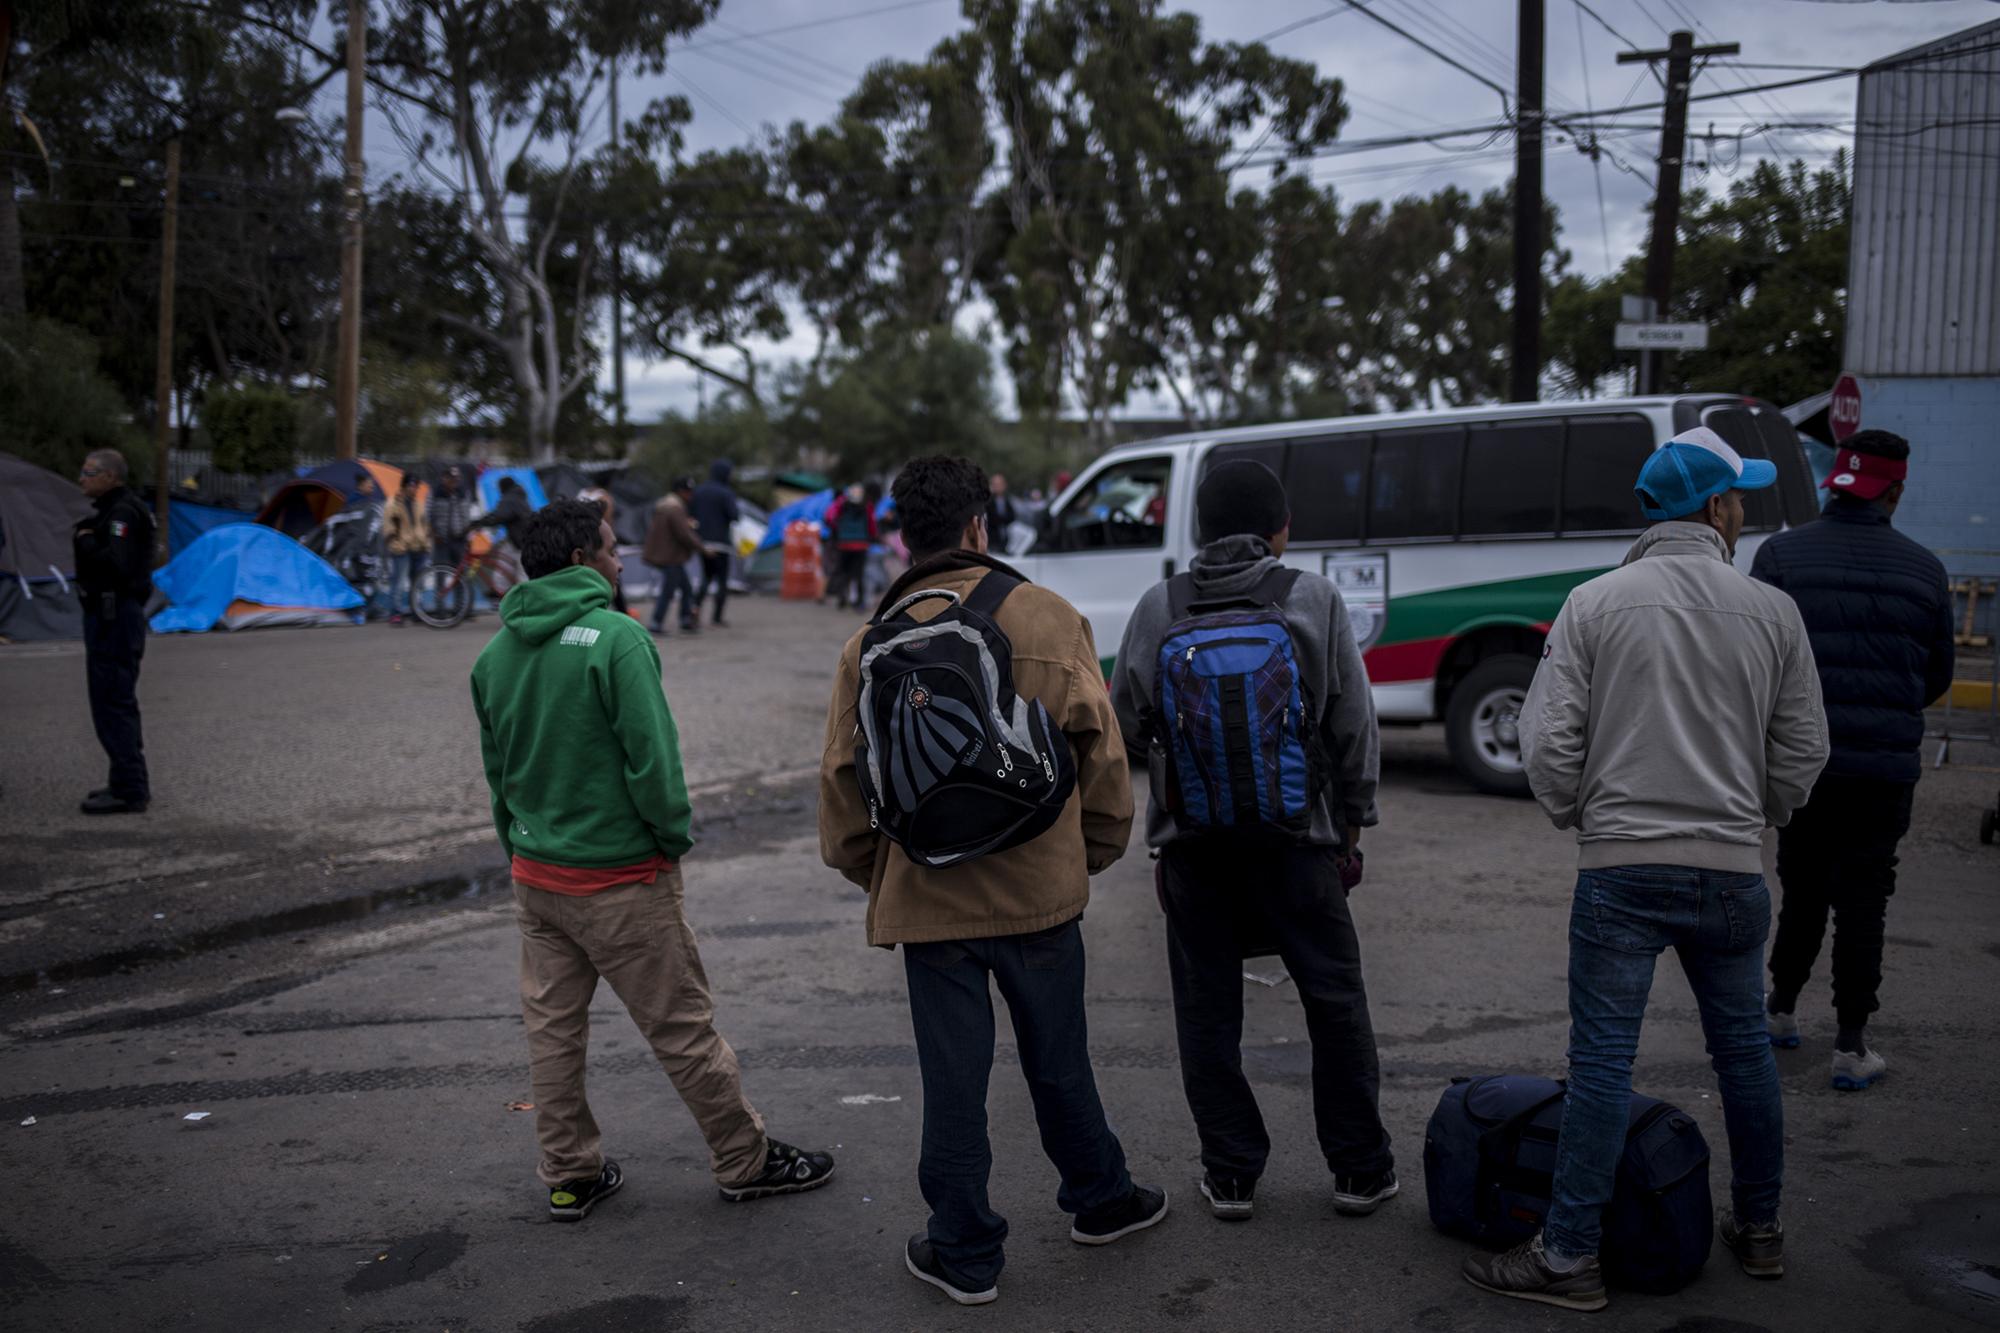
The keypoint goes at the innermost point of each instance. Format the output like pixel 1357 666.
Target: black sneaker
pixel 1360 1195
pixel 1760 1250
pixel 1524 1272
pixel 111 803
pixel 786 1171
pixel 573 1200
pixel 922 1261
pixel 1230 1197
pixel 1135 1212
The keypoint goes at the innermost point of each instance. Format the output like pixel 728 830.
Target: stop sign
pixel 1843 414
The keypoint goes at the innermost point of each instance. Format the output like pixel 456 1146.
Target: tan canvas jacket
pixel 1039 884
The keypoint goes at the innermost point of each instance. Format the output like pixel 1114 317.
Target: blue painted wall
pixel 1952 500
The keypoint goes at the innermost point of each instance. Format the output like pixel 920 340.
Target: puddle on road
pixel 1949 1258
pixel 359 907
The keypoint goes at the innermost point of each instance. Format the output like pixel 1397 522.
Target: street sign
pixel 1638 309
pixel 1843 412
pixel 1661 337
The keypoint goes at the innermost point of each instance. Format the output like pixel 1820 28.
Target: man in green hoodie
pixel 588 799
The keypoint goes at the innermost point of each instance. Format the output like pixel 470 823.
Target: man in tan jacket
pixel 671 541
pixel 1008 917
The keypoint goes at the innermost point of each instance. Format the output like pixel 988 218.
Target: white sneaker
pixel 1853 1073
pixel 1783 1029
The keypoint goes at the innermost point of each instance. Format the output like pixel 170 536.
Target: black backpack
pixel 952 762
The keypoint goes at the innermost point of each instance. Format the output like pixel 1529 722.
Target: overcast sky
pixel 739 82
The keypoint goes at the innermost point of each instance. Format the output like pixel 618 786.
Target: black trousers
pixel 1217 894
pixel 850 572
pixel 1838 856
pixel 114 642
pixel 714 575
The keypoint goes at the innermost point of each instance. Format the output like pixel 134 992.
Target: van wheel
pixel 1483 724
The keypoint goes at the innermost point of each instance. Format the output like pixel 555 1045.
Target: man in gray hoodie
pixel 1675 716
pixel 1231 892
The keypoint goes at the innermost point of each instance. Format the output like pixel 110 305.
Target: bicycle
pixel 442 596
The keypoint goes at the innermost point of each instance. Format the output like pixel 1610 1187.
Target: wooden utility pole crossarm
pixel 1680 55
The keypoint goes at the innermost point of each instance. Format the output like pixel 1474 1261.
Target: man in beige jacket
pixel 1009 917
pixel 1675 716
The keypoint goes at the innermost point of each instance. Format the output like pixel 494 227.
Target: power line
pixel 1411 37
pixel 809 23
pixel 1596 166
pixel 1603 23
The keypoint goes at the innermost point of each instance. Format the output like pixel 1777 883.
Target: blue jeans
pixel 1620 921
pixel 674 580
pixel 405 572
pixel 951 1008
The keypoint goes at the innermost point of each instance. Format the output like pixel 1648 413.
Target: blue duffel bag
pixel 1489 1169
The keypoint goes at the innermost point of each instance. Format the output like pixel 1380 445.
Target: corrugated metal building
pixel 1923 291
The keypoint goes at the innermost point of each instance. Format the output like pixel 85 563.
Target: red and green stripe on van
pixel 1422 626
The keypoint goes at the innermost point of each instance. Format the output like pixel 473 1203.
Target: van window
pixel 1124 507
pixel 1328 485
pixel 1512 469
pixel 1271 453
pixel 1414 486
pixel 1763 511
pixel 1600 468
pixel 1795 481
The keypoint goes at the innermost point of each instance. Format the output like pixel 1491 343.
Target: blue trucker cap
pixel 1696 464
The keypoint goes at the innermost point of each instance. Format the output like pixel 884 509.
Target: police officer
pixel 114 563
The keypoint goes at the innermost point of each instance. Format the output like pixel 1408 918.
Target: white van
pixel 1454 536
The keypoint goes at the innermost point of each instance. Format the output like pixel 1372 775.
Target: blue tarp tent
pixel 187 521
pixel 244 574
pixel 489 485
pixel 812 509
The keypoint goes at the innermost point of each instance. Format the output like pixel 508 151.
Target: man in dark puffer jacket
pixel 1878 611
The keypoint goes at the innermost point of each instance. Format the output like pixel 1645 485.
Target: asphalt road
pixel 306 939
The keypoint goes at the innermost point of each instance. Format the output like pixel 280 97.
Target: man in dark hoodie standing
pixel 1222 888
pixel 715 512
pixel 583 763
pixel 1007 918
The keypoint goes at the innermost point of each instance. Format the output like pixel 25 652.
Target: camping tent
pixel 187 520
pixel 489 485
pixel 300 505
pixel 38 598
pixel 812 509
pixel 244 574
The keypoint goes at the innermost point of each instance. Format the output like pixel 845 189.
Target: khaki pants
pixel 636 938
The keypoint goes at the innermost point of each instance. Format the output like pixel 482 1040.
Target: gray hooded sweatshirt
pixel 1329 667
pixel 1676 711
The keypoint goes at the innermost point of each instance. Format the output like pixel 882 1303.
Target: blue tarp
pixel 250 563
pixel 489 485
pixel 187 521
pixel 812 509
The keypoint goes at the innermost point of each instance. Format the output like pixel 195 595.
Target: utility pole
pixel 163 375
pixel 1680 55
pixel 617 291
pixel 347 375
pixel 1525 373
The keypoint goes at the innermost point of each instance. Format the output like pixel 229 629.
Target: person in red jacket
pixel 851 523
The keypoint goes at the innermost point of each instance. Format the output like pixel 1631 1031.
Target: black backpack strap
pixel 989 592
pixel 1180 596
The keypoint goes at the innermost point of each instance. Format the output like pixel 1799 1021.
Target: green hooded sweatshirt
pixel 581 753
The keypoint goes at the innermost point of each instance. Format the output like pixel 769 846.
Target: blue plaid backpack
pixel 1232 717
